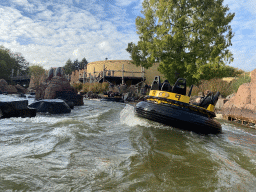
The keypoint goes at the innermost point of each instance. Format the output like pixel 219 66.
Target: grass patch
pixel 245 78
pixel 95 87
pixel 212 85
pixel 225 88
pixel 77 86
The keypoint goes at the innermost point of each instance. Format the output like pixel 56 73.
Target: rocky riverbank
pixel 11 89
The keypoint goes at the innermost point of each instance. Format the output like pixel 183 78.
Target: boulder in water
pixel 53 106
pixel 17 108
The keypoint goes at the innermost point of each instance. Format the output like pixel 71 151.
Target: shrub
pixel 77 86
pixel 95 87
pixel 244 78
pixel 105 86
pixel 86 87
pixel 212 85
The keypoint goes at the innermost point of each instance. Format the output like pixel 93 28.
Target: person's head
pixel 207 92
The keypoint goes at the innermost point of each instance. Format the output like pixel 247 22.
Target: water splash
pixel 127 116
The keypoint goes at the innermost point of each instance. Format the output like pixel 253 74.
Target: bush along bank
pixel 101 90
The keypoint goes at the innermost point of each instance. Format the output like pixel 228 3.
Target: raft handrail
pixel 189 106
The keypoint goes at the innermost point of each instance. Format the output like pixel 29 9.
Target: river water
pixel 102 146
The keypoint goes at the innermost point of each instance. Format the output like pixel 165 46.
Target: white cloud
pixel 58 30
pixel 21 2
pixel 125 2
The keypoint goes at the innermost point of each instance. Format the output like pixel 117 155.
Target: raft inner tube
pixel 177 116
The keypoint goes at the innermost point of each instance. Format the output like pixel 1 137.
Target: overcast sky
pixel 49 32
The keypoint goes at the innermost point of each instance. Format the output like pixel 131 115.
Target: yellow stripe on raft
pixel 170 95
pixel 211 108
pixel 176 97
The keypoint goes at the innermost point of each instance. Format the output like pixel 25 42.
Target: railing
pixel 23 77
pixel 98 75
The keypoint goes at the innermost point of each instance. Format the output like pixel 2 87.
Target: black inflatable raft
pixel 170 105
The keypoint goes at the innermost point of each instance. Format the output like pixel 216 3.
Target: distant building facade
pixel 116 72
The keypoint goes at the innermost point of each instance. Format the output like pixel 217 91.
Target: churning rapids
pixel 102 146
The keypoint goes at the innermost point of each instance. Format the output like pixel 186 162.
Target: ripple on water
pixel 41 119
pixel 105 147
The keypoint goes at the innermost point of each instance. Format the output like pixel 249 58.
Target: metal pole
pixel 123 74
pixel 104 73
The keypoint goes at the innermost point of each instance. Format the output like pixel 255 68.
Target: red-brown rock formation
pixel 11 89
pixel 243 104
pixel 21 89
pixel 35 82
pixel 4 87
pixel 56 84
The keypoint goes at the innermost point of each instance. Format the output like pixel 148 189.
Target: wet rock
pixel 4 87
pixel 70 97
pixel 92 95
pixel 52 106
pixel 20 89
pixel 11 89
pixel 16 109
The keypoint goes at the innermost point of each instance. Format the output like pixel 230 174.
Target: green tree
pixel 69 67
pixel 12 63
pixel 182 35
pixel 22 62
pixel 83 63
pixel 8 65
pixel 76 65
pixel 210 71
pixel 36 72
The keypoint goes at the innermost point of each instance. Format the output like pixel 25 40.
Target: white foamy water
pixel 127 116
